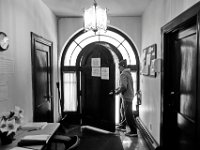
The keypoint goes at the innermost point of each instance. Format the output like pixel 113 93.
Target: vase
pixel 6 139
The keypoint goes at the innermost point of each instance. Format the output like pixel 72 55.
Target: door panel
pixel 98 107
pixel 182 104
pixel 41 73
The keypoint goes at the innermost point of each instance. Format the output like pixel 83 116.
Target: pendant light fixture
pixel 95 18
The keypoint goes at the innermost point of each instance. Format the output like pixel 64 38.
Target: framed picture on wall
pixel 148 57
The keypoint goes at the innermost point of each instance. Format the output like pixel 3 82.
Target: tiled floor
pixel 93 140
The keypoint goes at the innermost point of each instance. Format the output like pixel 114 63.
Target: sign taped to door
pixel 105 73
pixel 96 62
pixel 96 71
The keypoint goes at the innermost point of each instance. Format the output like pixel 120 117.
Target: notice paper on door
pixel 96 72
pixel 105 73
pixel 96 62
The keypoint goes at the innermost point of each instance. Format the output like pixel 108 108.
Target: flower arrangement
pixel 9 123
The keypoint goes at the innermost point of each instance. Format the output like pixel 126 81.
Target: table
pixel 50 129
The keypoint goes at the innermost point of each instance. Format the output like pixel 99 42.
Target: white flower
pixel 10 122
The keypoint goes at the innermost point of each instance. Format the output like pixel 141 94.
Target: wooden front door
pixel 42 79
pixel 97 79
pixel 181 109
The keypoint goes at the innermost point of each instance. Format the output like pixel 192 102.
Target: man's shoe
pixel 122 128
pixel 72 143
pixel 131 134
pixel 122 123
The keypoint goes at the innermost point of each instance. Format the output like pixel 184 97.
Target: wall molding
pixel 151 142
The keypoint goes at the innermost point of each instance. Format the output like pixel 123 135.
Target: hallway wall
pixel 18 18
pixel 158 13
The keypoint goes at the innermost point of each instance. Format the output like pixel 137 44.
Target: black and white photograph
pixel 99 74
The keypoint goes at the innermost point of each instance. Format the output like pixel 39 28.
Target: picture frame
pixel 148 57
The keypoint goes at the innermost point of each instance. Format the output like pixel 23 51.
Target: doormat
pixel 91 140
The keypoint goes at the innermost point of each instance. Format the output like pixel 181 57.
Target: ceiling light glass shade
pixel 95 18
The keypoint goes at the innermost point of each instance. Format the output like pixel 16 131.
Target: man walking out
pixel 127 93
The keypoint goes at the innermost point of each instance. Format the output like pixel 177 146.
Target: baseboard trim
pixel 151 142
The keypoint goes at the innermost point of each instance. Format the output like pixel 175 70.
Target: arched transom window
pixel 111 37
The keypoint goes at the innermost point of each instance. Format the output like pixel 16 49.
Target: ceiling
pixel 75 8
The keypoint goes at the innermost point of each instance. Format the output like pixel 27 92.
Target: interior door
pixel 181 109
pixel 97 79
pixel 42 79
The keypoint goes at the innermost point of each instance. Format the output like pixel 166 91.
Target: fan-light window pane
pixel 69 53
pixel 88 41
pixel 124 53
pixel 130 52
pixel 114 35
pixel 70 93
pixel 84 36
pixel 75 55
pixel 109 40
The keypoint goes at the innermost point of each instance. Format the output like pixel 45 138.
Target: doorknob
pixel 172 93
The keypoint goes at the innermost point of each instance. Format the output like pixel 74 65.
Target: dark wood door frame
pixel 49 97
pixel 186 19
